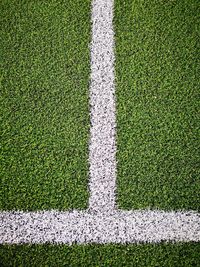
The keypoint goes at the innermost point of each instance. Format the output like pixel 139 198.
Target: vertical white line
pixel 102 147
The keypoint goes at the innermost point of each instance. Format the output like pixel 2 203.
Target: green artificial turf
pixel 157 91
pixel 45 67
pixel 45 121
pixel 149 255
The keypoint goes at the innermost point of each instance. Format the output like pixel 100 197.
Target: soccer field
pixel 100 133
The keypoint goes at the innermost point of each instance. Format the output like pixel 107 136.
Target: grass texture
pixel 151 255
pixel 157 90
pixel 45 67
pixel 45 120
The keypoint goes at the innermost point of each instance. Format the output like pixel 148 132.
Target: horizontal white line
pixel 85 227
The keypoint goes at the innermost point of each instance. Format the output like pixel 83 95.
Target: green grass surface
pixel 169 255
pixel 157 76
pixel 45 67
pixel 45 120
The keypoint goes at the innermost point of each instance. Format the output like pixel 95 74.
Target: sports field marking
pixel 85 227
pixel 102 141
pixel 102 222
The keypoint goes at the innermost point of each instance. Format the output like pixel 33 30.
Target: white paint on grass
pixel 102 113
pixel 102 222
pixel 84 227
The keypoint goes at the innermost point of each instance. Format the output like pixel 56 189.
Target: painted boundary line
pixel 84 227
pixel 102 222
pixel 102 112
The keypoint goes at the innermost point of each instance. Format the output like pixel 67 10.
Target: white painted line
pixel 102 222
pixel 102 113
pixel 83 227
